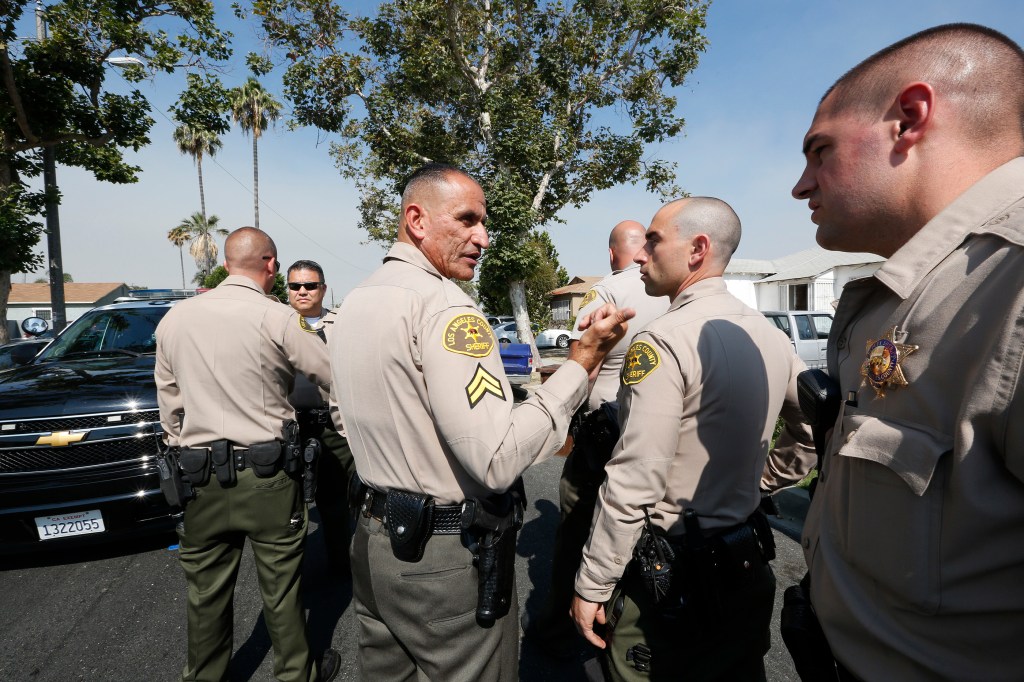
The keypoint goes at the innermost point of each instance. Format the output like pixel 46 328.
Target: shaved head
pixel 978 71
pixel 251 252
pixel 624 241
pixel 710 216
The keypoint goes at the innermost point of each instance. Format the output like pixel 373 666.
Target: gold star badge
pixel 881 367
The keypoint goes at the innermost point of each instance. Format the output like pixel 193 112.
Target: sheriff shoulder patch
pixel 482 383
pixel 641 359
pixel 305 326
pixel 590 296
pixel 468 334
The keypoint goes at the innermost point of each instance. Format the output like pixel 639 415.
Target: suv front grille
pixel 26 460
pixel 87 421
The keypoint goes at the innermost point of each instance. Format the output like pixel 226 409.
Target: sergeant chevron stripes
pixel 483 382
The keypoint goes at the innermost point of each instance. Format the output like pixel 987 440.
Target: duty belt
pixel 447 518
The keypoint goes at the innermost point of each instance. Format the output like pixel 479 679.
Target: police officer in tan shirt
pixel 583 471
pixel 432 426
pixel 701 388
pixel 334 468
pixel 224 363
pixel 915 536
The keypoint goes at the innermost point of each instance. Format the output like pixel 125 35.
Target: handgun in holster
pixel 177 491
pixel 492 524
pixel 292 448
pixel 310 459
pixel 595 435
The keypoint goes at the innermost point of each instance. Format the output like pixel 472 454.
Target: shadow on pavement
pixel 64 555
pixel 535 544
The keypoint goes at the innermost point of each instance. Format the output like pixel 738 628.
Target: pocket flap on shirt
pixel 909 451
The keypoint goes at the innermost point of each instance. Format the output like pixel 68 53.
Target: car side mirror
pixel 34 326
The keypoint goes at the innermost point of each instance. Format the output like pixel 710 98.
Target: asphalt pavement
pixel 118 612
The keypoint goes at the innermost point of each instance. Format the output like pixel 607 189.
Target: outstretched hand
pixel 602 330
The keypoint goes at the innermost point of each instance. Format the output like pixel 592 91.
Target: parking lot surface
pixel 118 612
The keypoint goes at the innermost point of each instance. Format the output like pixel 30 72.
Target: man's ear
pixel 700 247
pixel 415 225
pixel 915 110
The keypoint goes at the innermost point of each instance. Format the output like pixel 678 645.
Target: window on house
pixel 44 313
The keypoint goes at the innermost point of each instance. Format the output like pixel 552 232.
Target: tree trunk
pixel 5 292
pixel 181 257
pixel 255 182
pixel 202 193
pixel 517 295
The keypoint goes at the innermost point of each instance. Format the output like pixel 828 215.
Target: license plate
pixel 66 525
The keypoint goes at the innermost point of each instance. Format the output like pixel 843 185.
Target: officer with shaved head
pixel 439 446
pixel 225 361
pixel 914 539
pixel 594 434
pixel 700 390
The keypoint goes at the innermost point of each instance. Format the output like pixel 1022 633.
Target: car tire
pixel 562 341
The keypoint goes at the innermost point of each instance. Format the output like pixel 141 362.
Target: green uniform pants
pixel 270 512
pixel 334 471
pixel 418 620
pixel 692 645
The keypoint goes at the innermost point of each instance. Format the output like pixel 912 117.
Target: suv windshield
pixel 125 331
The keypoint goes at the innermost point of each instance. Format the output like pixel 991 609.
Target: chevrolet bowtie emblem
pixel 59 439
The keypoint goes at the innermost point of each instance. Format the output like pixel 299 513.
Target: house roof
pixel 74 292
pixel 806 264
pixel 578 285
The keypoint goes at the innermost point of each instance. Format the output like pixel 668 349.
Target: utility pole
pixel 57 307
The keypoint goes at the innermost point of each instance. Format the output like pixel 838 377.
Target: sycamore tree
pixel 493 291
pixel 54 94
pixel 542 102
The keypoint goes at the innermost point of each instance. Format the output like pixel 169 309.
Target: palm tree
pixel 202 247
pixel 179 236
pixel 197 142
pixel 254 109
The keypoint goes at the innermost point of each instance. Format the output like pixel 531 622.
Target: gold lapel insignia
pixel 881 367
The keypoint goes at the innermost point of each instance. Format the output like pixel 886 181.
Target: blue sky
pixel 747 107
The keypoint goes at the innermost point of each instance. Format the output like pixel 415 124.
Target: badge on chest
pixel 881 368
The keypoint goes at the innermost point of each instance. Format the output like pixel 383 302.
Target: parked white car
pixel 558 338
pixel 549 338
pixel 807 331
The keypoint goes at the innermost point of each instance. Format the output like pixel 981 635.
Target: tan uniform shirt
pixel 625 289
pixel 306 395
pixel 423 393
pixel 702 386
pixel 225 361
pixel 915 537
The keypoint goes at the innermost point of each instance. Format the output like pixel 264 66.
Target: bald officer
pixel 701 388
pixel 431 423
pixel 224 363
pixel 583 471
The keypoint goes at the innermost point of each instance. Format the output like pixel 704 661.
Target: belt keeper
pixel 239 456
pixel 367 502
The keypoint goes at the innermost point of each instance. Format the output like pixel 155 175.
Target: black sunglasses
pixel 277 263
pixel 308 286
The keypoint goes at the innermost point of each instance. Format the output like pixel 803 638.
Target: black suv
pixel 77 434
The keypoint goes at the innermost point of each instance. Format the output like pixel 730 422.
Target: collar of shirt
pixel 242 281
pixel 711 286
pixel 410 254
pixel 984 201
